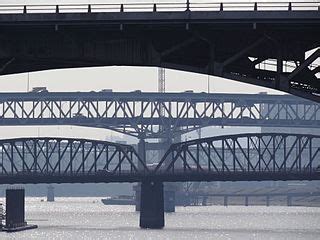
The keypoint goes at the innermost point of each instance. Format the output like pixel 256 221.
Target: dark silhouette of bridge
pixel 240 41
pixel 230 40
pixel 138 114
pixel 243 157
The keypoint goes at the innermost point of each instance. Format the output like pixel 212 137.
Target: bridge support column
pixel 169 199
pixel 246 201
pixel 152 203
pixel 142 151
pixel 204 200
pixel 15 211
pixel 15 215
pixel 169 188
pixel 225 201
pixel 267 200
pixel 137 190
pixel 50 194
pixel 289 200
pixel 142 155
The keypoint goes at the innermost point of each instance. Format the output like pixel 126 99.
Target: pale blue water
pixel 88 218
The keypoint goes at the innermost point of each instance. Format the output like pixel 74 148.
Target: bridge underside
pixel 141 177
pixel 233 45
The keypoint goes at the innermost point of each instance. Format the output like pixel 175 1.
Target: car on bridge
pixel 104 172
pixel 78 115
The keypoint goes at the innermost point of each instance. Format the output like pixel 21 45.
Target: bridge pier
pixel 267 200
pixel 50 194
pixel 142 155
pixel 246 201
pixel 204 200
pixel 169 188
pixel 152 205
pixel 15 211
pixel 169 199
pixel 142 151
pixel 137 190
pixel 289 200
pixel 225 201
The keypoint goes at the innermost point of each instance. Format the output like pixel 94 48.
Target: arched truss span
pixel 67 156
pixel 244 153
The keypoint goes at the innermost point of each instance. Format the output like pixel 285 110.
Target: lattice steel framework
pixel 58 156
pixel 139 113
pixel 244 153
pixel 245 157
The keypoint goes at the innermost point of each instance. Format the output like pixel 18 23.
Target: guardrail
pixel 160 7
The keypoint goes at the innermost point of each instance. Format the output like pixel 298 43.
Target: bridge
pixel 138 114
pixel 229 40
pixel 243 157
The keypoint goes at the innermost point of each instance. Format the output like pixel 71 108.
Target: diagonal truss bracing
pixel 264 153
pixel 67 156
pixel 138 113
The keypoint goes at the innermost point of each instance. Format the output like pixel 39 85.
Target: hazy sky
pixel 116 78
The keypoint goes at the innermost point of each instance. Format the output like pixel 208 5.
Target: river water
pixel 88 218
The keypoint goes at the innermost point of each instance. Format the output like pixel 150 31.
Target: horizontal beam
pixel 38 179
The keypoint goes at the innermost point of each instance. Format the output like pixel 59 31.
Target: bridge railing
pixel 160 6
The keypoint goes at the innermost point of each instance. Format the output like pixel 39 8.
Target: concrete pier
pixel 142 154
pixel 267 200
pixel 204 201
pixel 246 201
pixel 137 190
pixel 152 205
pixel 50 194
pixel 289 200
pixel 15 211
pixel 169 201
pixel 225 201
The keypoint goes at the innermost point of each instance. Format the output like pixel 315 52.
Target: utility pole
pixel 161 89
pixel 28 82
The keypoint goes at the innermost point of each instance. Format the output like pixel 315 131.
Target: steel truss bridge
pixel 157 115
pixel 231 40
pixel 244 157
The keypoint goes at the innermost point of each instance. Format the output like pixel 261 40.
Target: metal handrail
pixel 162 6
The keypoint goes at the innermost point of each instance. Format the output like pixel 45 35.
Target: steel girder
pixel 245 157
pixel 56 156
pixel 144 113
pixel 216 40
pixel 244 153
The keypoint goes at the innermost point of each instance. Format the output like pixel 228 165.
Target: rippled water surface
pixel 88 218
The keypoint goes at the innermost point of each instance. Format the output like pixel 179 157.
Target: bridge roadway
pixel 138 114
pixel 232 40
